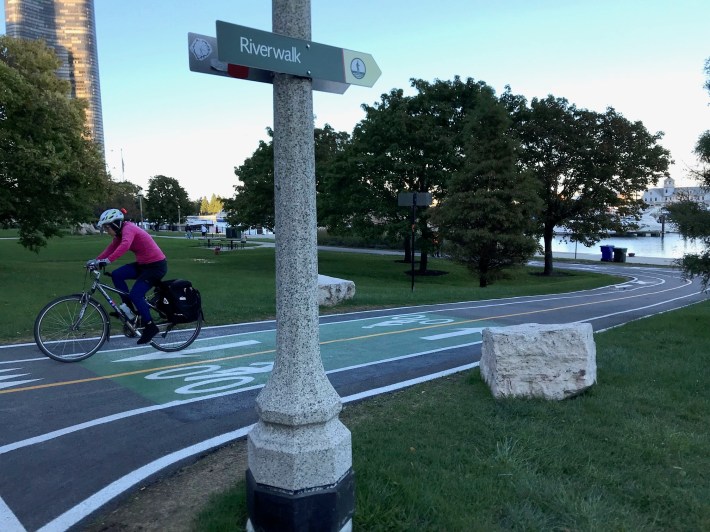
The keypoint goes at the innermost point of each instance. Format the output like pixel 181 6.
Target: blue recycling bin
pixel 607 253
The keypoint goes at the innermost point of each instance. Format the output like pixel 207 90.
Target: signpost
pixel 300 472
pixel 204 58
pixel 413 199
pixel 272 52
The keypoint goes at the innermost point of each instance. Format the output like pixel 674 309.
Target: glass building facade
pixel 69 27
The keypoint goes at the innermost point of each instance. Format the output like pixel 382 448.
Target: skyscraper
pixel 69 27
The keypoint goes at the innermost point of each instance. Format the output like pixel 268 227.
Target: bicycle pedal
pixel 128 332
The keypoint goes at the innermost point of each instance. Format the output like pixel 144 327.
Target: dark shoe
pixel 150 330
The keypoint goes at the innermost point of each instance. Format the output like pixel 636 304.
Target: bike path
pixel 147 399
pixel 78 434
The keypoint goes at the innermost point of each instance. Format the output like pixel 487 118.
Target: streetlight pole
pixel 178 216
pixel 140 202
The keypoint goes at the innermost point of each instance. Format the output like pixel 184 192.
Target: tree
pixel 591 167
pixel 121 194
pixel 253 202
pixel 51 174
pixel 204 205
pixel 215 205
pixel 702 148
pixel 405 143
pixel 488 215
pixel 693 219
pixel 166 201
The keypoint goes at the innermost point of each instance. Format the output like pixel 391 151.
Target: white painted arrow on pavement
pixel 187 353
pixel 460 332
pixel 13 383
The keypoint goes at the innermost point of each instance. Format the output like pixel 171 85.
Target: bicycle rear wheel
pixel 71 328
pixel 174 336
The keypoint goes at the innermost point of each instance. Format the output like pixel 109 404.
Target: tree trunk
pixel 547 237
pixel 423 262
pixel 407 249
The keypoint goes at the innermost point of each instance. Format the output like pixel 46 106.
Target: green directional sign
pixel 272 52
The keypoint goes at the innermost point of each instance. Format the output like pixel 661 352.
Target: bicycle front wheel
pixel 71 328
pixel 174 336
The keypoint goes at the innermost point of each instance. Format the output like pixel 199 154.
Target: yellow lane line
pixel 339 340
pixel 130 373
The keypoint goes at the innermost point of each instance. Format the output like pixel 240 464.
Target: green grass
pixel 631 454
pixel 239 285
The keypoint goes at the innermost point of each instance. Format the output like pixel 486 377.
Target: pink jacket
pixel 134 239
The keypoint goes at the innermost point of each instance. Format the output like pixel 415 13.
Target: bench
pixel 224 243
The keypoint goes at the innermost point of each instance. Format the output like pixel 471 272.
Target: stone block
pixel 295 458
pixel 332 290
pixel 539 360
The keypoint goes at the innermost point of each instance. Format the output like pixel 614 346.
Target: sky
pixel 644 58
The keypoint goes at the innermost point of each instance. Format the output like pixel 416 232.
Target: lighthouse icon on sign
pixel 357 68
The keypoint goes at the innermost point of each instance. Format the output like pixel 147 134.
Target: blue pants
pixel 146 276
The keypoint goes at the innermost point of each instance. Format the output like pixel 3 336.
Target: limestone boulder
pixel 86 229
pixel 332 290
pixel 539 360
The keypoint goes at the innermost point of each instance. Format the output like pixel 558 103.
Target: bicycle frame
pixel 72 328
pixel 104 290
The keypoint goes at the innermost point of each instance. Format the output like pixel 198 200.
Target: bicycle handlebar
pixel 99 267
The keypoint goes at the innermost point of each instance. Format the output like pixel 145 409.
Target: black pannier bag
pixel 179 300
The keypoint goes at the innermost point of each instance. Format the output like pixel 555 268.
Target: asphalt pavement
pixel 78 436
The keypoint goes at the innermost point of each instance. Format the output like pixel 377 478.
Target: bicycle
pixel 74 327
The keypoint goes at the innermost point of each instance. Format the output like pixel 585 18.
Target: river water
pixel 670 246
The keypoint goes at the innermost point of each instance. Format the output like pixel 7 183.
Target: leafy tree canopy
pixel 253 202
pixel 591 167
pixel 212 206
pixel 121 195
pixel 51 174
pixel 405 143
pixel 693 219
pixel 488 215
pixel 166 200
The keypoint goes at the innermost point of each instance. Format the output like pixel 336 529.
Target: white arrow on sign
pixel 360 68
pixel 460 332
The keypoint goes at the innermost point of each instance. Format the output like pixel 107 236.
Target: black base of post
pixel 325 509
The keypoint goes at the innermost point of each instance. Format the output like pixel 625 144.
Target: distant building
pixel 68 27
pixel 657 197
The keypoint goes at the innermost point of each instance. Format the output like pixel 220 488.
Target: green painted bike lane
pixel 241 361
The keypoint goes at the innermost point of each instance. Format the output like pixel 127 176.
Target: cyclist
pixel 150 266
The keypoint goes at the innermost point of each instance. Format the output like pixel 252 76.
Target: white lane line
pixel 38 359
pixel 118 487
pixel 145 410
pixel 441 307
pixel 460 332
pixel 96 501
pixel 8 520
pixel 115 417
pixel 406 384
pixel 186 353
pixel 665 302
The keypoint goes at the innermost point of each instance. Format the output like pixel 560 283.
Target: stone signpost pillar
pixel 300 459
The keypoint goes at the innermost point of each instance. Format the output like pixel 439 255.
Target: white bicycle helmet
pixel 111 216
